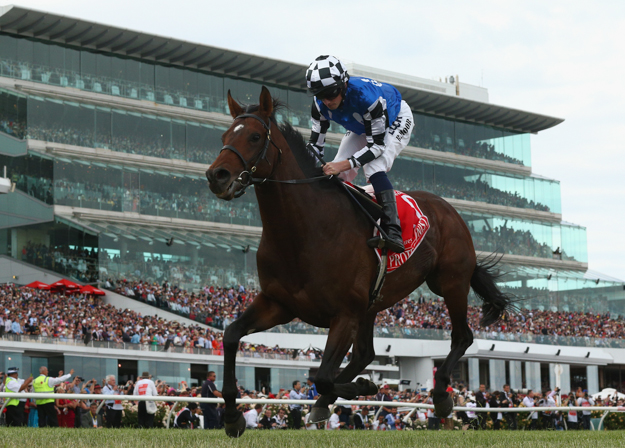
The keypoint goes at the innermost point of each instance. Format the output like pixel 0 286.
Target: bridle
pixel 246 176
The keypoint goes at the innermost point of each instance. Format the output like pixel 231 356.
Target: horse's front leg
pixel 340 338
pixel 363 353
pixel 261 315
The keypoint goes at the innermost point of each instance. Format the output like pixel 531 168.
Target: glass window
pixel 25 50
pixel 103 119
pixel 57 65
pixel 132 70
pixel 299 104
pixel 118 68
pixel 13 117
pixel 495 234
pixel 147 81
pixel 162 83
pixel 574 244
pixel 88 66
pixel 178 139
pixel 41 68
pixel 125 132
pixel 87 186
pixel 8 53
pixel 131 192
pixel 189 80
pixel 157 132
pixel 176 80
pixel 203 142
pixel 30 174
pixel 79 124
pixel 211 90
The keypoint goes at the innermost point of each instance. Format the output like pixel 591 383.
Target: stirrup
pixel 377 242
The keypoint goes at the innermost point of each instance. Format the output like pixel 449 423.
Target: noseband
pixel 245 178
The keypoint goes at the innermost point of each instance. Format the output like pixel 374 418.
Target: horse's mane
pixel 306 161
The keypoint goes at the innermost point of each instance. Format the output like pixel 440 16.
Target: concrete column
pixel 123 248
pixel 565 377
pixel 14 248
pixel 496 373
pixel 474 374
pixel 193 253
pixel 516 375
pixel 532 376
pixel 420 372
pixel 592 378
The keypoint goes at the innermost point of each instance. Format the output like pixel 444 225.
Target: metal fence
pixel 564 409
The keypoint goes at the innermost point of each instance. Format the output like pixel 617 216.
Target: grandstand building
pixel 106 134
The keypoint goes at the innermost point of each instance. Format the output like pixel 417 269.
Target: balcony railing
pixel 150 347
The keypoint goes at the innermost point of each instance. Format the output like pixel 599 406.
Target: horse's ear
pixel 235 108
pixel 266 103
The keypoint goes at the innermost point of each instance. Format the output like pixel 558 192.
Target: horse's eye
pixel 255 137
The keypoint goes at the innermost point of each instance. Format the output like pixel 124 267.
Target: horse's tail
pixel 496 303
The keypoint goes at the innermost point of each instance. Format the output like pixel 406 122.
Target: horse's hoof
pixel 444 408
pixel 236 428
pixel 367 387
pixel 319 414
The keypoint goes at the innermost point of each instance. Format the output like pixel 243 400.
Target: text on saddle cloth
pixel 414 226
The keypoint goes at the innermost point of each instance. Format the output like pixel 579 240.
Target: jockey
pixel 378 124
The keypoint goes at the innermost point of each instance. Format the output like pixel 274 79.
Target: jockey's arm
pixel 320 126
pixel 375 127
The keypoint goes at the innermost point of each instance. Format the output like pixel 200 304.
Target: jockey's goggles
pixel 330 94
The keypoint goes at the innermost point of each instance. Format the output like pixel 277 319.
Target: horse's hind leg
pixel 363 354
pixel 455 292
pixel 261 315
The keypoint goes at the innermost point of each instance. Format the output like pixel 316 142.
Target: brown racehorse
pixel 314 263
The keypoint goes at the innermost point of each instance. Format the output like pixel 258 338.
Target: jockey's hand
pixel 334 168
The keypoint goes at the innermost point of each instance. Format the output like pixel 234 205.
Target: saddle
pixel 363 198
pixel 414 227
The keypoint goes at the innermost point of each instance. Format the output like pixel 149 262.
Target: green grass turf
pixel 70 438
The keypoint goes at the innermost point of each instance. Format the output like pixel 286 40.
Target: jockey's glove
pixel 312 147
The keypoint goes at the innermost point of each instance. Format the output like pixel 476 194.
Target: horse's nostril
pixel 218 175
pixel 221 174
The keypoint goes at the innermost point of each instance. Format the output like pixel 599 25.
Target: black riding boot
pixel 390 223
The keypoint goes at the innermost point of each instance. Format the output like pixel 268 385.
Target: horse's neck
pixel 293 209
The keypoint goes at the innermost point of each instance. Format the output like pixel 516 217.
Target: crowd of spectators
pixel 218 307
pixel 44 314
pixel 478 191
pixel 434 140
pixel 154 146
pixel 184 203
pixel 12 126
pixel 33 313
pixel 133 89
pixel 388 416
pixel 480 149
pixel 90 265
pixel 182 272
pixel 78 263
pixel 511 241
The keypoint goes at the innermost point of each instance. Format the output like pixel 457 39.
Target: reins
pixel 245 177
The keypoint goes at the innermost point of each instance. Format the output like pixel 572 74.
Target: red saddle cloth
pixel 414 226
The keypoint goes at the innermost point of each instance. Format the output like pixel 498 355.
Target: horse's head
pixel 246 152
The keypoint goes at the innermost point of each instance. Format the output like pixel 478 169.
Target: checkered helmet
pixel 324 73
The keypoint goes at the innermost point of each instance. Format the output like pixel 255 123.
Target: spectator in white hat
pixel 15 406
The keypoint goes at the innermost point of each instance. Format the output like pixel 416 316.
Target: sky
pixel 557 58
